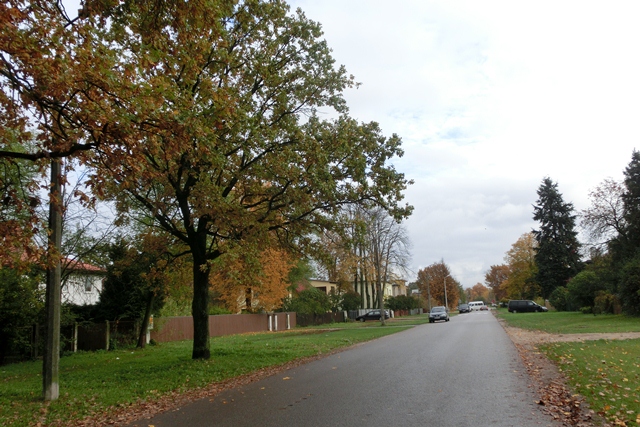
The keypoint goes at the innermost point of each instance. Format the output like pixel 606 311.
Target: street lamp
pixel 446 305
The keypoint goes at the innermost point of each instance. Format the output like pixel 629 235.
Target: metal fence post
pixel 107 336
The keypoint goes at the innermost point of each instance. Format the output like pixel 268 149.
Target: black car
pixel 464 308
pixel 372 315
pixel 438 313
pixel 525 306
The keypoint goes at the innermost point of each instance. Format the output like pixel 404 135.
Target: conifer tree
pixel 557 255
pixel 628 241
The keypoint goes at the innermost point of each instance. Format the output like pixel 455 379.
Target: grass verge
pixel 93 383
pixel 605 372
pixel 562 322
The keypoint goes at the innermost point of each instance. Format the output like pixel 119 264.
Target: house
pixel 399 287
pixel 324 285
pixel 81 282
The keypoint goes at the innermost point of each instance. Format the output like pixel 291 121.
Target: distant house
pixel 82 282
pixel 399 287
pixel 324 285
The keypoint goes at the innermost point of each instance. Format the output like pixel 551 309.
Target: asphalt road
pixel 465 372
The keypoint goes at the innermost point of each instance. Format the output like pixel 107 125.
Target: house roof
pixel 75 265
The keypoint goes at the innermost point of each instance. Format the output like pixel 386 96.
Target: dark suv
pixel 525 306
pixel 464 308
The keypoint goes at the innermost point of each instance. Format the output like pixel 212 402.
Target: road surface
pixel 465 372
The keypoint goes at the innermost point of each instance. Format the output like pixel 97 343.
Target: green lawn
pixel 92 383
pixel 605 372
pixel 560 322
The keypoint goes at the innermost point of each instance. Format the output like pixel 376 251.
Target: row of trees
pixel 197 119
pixel 600 275
pixel 370 249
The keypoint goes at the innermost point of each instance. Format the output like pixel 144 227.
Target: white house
pixel 82 282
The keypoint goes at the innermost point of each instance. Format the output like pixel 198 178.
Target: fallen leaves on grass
pixel 554 396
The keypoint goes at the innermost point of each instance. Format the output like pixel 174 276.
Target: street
pixel 465 372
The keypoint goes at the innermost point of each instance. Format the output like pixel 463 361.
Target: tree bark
pixel 51 360
pixel 142 337
pixel 199 308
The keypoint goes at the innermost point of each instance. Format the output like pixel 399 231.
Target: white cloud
pixel 490 97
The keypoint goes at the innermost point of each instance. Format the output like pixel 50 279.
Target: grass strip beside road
pixel 95 382
pixel 605 372
pixel 562 322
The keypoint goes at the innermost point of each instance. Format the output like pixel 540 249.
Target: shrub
pixel 630 287
pixel 583 288
pixel 559 298
pixel 351 301
pixel 217 309
pixel 402 302
pixel 20 307
pixel 606 302
pixel 308 301
pixel 586 310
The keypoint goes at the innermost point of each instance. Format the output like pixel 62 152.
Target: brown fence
pixel 181 328
pixel 110 335
pixel 320 319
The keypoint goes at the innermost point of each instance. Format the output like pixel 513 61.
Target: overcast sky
pixel 490 97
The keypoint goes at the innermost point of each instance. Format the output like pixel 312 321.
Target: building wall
pixel 82 289
pixel 324 286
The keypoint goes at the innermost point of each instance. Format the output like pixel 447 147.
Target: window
pixel 87 284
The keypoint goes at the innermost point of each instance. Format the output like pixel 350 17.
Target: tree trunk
pixel 199 308
pixel 142 337
pixel 247 300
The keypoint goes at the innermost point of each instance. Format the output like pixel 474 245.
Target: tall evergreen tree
pixel 626 245
pixel 557 255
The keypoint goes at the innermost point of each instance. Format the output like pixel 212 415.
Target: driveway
pixel 465 372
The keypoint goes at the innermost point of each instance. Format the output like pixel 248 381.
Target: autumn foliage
pixel 201 114
pixel 432 281
pixel 253 285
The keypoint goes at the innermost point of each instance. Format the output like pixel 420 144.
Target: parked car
pixel 438 313
pixel 372 315
pixel 464 308
pixel 525 306
pixel 484 308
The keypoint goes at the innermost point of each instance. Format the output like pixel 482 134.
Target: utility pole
pixel 446 305
pixel 429 293
pixel 51 361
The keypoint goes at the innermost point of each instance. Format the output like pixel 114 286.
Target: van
pixel 476 305
pixel 525 306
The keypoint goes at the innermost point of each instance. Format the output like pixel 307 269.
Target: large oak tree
pixel 216 131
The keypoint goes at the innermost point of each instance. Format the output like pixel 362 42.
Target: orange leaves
pixel 432 281
pixel 252 282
